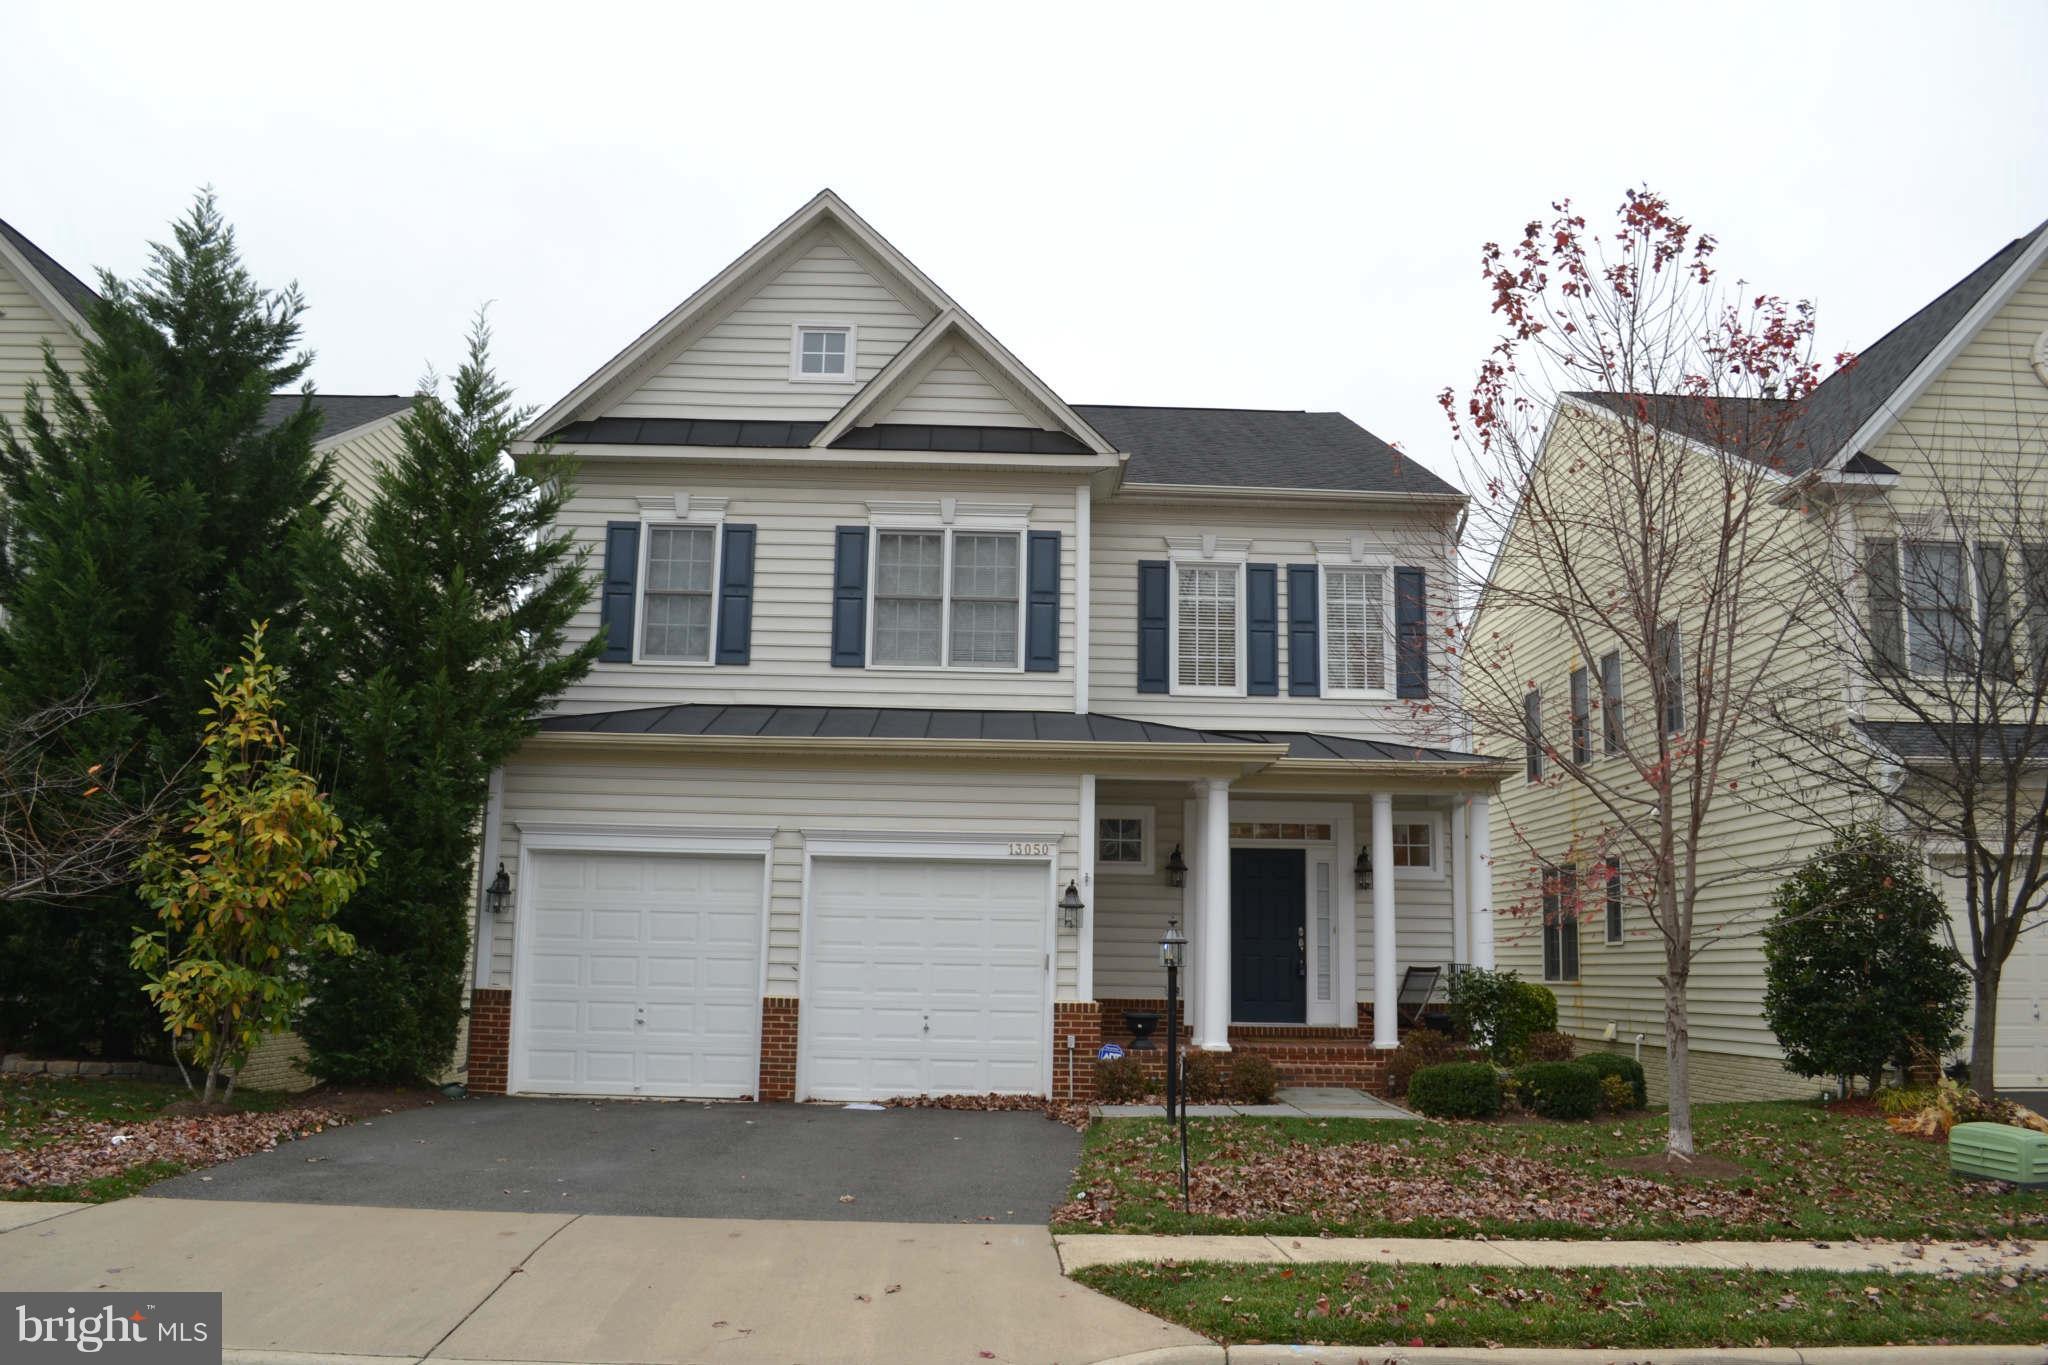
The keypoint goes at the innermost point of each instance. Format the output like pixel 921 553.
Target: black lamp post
pixel 1172 953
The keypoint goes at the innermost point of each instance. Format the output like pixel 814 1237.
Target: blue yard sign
pixel 1109 1052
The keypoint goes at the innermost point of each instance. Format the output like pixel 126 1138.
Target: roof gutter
pixel 1248 757
pixel 1185 492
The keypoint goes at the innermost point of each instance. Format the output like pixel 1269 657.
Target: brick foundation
pixel 490 1039
pixel 1073 1069
pixel 778 1048
pixel 1303 1054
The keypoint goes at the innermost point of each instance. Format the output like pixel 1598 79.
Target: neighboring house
pixel 903 650
pixel 1961 382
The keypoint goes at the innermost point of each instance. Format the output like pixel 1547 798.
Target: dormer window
pixel 822 352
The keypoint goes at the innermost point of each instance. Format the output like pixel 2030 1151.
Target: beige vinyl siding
pixel 658 792
pixel 1125 533
pixel 359 454
pixel 25 325
pixel 1422 904
pixel 955 392
pixel 738 367
pixel 796 512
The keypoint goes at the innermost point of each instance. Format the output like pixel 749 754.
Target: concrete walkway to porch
pixel 1293 1102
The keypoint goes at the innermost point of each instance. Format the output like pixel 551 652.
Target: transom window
pixel 947 597
pixel 1123 839
pixel 1206 627
pixel 822 351
pixel 1268 829
pixel 1355 638
pixel 1414 844
pixel 676 603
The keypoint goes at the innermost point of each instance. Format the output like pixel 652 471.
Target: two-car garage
pixel 639 971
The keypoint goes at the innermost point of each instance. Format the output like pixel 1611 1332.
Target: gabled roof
pixel 1258 448
pixel 340 413
pixel 69 297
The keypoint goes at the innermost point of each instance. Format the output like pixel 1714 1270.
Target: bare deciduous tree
pixel 66 829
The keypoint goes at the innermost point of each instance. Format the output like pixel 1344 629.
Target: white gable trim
pixel 825 208
pixel 1021 386
pixel 1942 356
pixel 44 292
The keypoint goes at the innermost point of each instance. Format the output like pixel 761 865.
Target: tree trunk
pixel 1984 1031
pixel 1677 1062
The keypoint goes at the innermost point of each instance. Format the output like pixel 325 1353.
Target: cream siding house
pixel 928 699
pixel 1962 382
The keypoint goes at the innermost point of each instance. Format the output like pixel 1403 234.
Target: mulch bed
pixel 1073 1115
pixel 1856 1107
pixel 94 1150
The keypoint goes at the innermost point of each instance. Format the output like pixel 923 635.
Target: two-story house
pixel 1911 498
pixel 928 699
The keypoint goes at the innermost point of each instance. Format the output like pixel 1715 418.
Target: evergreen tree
pixel 452 644
pixel 153 511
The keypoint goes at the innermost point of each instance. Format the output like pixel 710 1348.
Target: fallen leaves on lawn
pixel 84 1151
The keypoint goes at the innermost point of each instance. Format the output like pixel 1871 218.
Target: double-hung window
pixel 1561 923
pixel 948 598
pixel 1532 733
pixel 1582 717
pixel 1614 900
pixel 1357 646
pixel 1611 738
pixel 1208 630
pixel 677 603
pixel 1671 667
pixel 1936 587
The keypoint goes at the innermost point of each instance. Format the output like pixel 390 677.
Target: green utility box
pixel 1998 1151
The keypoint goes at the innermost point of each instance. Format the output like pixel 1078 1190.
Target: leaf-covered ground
pixel 1808 1174
pixel 98 1139
pixel 1354 1305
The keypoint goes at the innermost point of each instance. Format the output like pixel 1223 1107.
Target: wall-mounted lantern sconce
pixel 498 896
pixel 1071 906
pixel 1176 868
pixel 1361 871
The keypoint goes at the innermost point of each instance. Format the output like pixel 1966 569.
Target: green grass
pixel 1808 1174
pixel 35 1110
pixel 1351 1305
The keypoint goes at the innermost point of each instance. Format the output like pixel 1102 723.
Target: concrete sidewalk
pixel 1896 1258
pixel 323 1281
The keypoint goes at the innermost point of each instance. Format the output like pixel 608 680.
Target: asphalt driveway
pixel 783 1161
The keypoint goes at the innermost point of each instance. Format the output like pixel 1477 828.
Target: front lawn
pixel 94 1139
pixel 1353 1305
pixel 1804 1173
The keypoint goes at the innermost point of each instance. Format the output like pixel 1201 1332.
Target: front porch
pixel 1304 907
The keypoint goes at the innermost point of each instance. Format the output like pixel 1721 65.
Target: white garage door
pixel 925 977
pixel 2021 1058
pixel 641 976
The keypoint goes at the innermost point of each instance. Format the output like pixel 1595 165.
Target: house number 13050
pixel 1038 850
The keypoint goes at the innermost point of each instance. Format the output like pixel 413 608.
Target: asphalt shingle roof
pixel 1915 741
pixel 69 287
pixel 339 412
pixel 1258 448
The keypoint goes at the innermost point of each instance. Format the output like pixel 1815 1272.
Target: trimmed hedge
pixel 1456 1090
pixel 1253 1078
pixel 1421 1047
pixel 1498 1011
pixel 1548 1045
pixel 1558 1090
pixel 1206 1076
pixel 1628 1068
pixel 1120 1080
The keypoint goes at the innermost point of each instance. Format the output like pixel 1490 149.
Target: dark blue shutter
pixel 621 573
pixel 1153 606
pixel 1042 603
pixel 736 595
pixel 1262 630
pixel 1304 632
pixel 1411 634
pixel 850 597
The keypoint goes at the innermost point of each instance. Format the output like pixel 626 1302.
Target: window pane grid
pixel 985 588
pixel 676 604
pixel 1938 615
pixel 822 351
pixel 1120 840
pixel 1207 618
pixel 1414 845
pixel 1354 629
pixel 910 579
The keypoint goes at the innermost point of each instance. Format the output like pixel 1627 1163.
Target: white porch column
pixel 1479 849
pixel 1084 948
pixel 1212 1027
pixel 1192 825
pixel 1461 889
pixel 1385 953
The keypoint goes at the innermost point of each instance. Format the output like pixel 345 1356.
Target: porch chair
pixel 1418 992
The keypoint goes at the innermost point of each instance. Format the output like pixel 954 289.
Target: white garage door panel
pixel 2021 1057
pixel 641 976
pixel 925 977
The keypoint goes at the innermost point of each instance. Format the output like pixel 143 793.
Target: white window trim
pixel 944 520
pixel 679 510
pixel 1211 554
pixel 1147 825
pixel 1355 560
pixel 796 352
pixel 1438 869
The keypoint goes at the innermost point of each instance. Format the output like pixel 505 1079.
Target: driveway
pixel 781 1161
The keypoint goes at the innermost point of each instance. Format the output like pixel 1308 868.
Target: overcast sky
pixel 1256 205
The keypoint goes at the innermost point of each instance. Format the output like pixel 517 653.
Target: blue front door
pixel 1268 924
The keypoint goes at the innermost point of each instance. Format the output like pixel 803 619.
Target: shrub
pixel 1558 1090
pixel 1895 1100
pixel 1120 1080
pixel 1606 1064
pixel 1855 971
pixel 1617 1096
pixel 1456 1090
pixel 1548 1045
pixel 1253 1078
pixel 1423 1047
pixel 1498 1011
pixel 1206 1076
